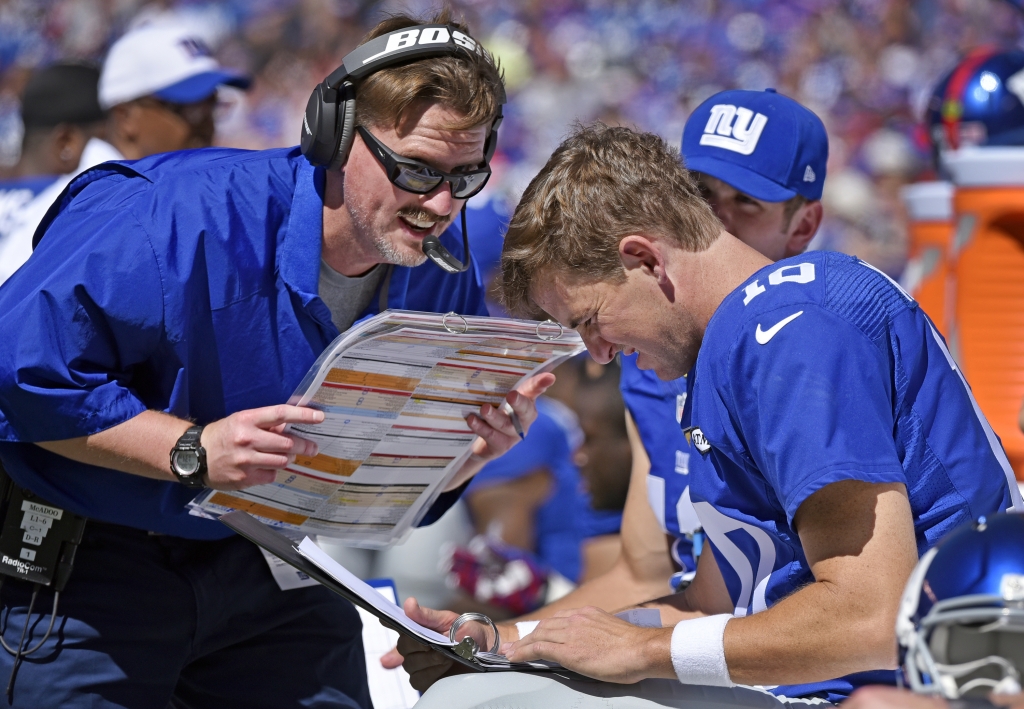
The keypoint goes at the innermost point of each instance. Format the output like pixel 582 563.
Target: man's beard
pixel 399 257
pixel 391 253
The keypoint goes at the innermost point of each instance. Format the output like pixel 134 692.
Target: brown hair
pixel 789 210
pixel 470 83
pixel 601 185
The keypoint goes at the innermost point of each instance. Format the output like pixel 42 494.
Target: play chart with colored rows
pixel 395 391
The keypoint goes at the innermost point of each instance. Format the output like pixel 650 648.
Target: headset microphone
pixel 444 258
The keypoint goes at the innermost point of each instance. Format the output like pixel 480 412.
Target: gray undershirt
pixel 347 297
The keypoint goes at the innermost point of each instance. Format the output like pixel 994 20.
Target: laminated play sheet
pixel 395 390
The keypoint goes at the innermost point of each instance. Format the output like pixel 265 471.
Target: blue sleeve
pixel 540 449
pixel 654 405
pixel 79 321
pixel 442 504
pixel 595 523
pixel 814 405
pixel 635 381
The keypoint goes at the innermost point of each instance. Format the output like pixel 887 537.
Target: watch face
pixel 186 462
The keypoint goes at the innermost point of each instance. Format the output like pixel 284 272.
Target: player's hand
pixel 248 447
pixel 493 427
pixel 427 658
pixel 881 697
pixel 597 644
pixel 424 665
pixel 495 432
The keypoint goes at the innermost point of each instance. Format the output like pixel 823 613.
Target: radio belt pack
pixel 37 544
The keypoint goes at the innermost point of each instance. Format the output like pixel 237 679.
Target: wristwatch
pixel 188 459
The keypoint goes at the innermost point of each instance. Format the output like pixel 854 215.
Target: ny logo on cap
pixel 740 136
pixel 195 47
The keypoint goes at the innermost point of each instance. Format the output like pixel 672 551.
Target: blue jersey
pixel 820 369
pixel 550 444
pixel 15 194
pixel 19 208
pixel 487 221
pixel 595 523
pixel 187 283
pixel 660 413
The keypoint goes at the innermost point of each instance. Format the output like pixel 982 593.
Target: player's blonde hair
pixel 600 185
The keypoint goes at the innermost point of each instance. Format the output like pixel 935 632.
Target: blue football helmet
pixel 980 102
pixel 961 620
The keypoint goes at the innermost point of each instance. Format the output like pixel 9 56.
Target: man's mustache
pixel 423 215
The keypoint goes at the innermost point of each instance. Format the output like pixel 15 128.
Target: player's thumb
pixel 536 385
pixel 391 659
pixel 438 621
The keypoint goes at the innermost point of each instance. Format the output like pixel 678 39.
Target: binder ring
pixel 549 321
pixel 449 328
pixel 480 618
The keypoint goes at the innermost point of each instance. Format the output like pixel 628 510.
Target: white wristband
pixel 526 627
pixel 698 651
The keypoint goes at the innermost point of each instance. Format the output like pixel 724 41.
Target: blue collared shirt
pixel 185 283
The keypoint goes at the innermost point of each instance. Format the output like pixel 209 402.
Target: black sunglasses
pixel 420 178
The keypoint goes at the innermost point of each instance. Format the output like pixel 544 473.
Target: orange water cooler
pixel 987 296
pixel 930 223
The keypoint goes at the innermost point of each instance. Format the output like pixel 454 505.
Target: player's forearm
pixel 812 636
pixel 140 445
pixel 850 531
pixel 471 467
pixel 616 589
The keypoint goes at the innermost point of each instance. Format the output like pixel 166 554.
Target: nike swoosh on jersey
pixel 763 336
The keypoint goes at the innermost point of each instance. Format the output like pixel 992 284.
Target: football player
pixel 767 203
pixel 837 439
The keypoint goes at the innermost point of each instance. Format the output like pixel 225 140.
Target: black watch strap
pixel 189 443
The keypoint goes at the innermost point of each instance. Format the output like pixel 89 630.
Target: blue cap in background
pixel 761 143
pixel 201 86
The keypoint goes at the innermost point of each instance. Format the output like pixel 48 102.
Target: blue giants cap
pixel 760 142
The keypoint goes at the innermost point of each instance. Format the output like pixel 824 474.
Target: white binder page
pixel 346 578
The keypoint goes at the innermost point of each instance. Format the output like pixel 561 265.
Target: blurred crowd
pixel 865 66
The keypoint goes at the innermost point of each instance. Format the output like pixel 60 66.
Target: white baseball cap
pixel 164 60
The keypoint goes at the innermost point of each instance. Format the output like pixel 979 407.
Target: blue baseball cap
pixel 762 143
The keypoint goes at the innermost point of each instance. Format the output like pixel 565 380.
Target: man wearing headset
pixel 183 297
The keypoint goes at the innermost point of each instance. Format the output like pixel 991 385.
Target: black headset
pixel 329 122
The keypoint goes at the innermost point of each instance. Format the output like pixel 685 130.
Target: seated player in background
pixel 61 114
pixel 604 461
pixel 539 533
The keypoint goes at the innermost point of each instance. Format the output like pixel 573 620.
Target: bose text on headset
pixel 328 125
